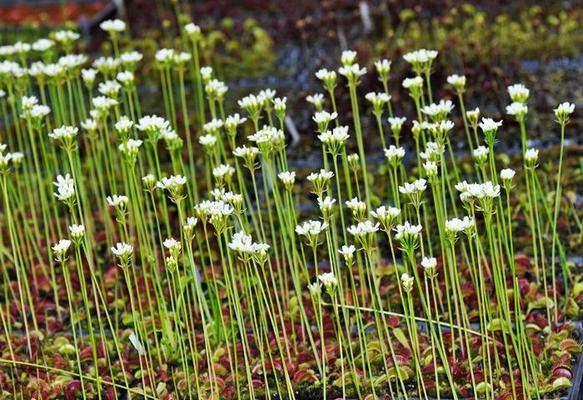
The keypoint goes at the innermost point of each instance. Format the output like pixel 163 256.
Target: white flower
pixel 531 156
pixel 356 205
pixel 396 123
pixel 507 174
pixel 407 230
pixel 280 104
pixel 328 77
pixel 347 251
pixel 216 89
pixel 430 168
pixel 103 103
pixel 241 242
pixel 88 75
pixel 429 262
pixel 109 88
pixel 64 133
pixel 208 141
pixel 407 282
pixel 130 148
pixel 165 56
pixel 316 99
pixel 42 45
pixel 431 151
pixel 416 187
pixel 352 72
pixel 328 280
pixel 480 153
pixel 363 228
pixel 457 81
pixel 190 224
pixel 394 153
pixel 152 123
pixel 122 250
pixel 518 93
pixel 125 77
pixel 324 117
pixel 39 111
pixel 172 182
pixel 192 30
pixel 113 26
pixel 311 228
pixel 456 225
pixel 315 289
pixel 66 36
pixel 131 58
pixel 348 57
pixel 421 56
pixel 117 200
pixel 383 67
pixel 563 111
pixel 268 138
pixel 517 109
pixel 232 121
pixel 65 187
pixel 335 138
pixel 326 203
pixel 440 109
pixel 171 244
pixel 223 170
pixel 383 213
pixel 287 178
pixel 61 247
pixel 489 125
pixel 77 231
pixel 413 83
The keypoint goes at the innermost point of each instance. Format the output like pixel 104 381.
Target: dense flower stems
pixel 226 315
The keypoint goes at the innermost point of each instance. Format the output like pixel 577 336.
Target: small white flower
pixel 352 72
pixel 363 228
pixel 192 30
pixel 518 93
pixel 122 250
pixel 407 230
pixel 311 227
pixel 112 26
pixel 517 109
pixel 117 200
pixel 316 99
pixel 76 231
pixel 328 280
pixel 457 81
pixel 65 187
pixel 394 154
pixel 531 156
pixel 413 83
pixel 507 174
pixel 480 154
pixel 347 251
pixel 61 247
pixel 407 282
pixel 417 186
pixel 287 178
pixel 563 112
pixel 429 262
pixel 348 57
pixel 383 68
pixel 489 125
pixel 396 123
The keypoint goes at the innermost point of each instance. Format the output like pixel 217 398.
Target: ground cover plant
pixel 182 256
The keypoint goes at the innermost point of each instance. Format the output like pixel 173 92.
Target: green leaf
pixel 400 335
